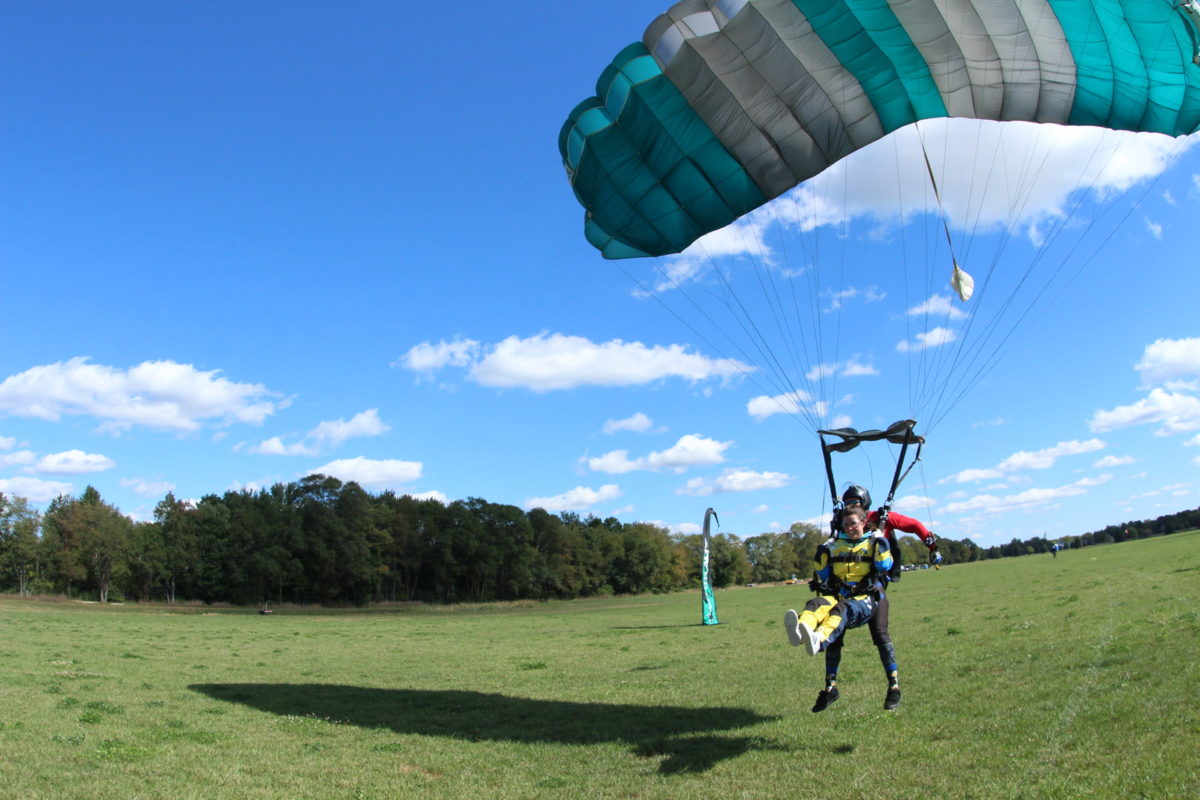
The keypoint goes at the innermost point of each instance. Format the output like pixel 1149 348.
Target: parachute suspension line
pixel 774 372
pixel 1085 260
pixel 983 366
pixel 674 283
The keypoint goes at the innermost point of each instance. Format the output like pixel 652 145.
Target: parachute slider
pixel 897 433
pixel 963 283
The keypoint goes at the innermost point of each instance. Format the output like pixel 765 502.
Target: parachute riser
pixel 898 433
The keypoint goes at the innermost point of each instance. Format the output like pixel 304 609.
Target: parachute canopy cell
pixel 726 104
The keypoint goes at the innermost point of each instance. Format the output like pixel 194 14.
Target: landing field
pixel 1032 677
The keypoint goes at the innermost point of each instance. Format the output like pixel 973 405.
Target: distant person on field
pixel 848 575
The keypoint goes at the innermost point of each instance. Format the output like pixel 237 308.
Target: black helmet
pixel 857 494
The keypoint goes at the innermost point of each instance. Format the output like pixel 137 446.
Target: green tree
pixel 19 546
pixel 103 536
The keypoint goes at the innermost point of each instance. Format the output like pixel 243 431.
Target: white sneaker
pixel 791 621
pixel 812 640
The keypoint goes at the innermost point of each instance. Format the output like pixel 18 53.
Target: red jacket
pixel 900 522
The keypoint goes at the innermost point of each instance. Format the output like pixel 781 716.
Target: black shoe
pixel 893 698
pixel 894 575
pixel 825 698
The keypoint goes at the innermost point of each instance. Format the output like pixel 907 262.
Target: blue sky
pixel 244 242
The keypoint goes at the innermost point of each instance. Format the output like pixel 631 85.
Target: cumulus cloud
pixel 73 462
pixel 734 480
pixel 1174 412
pixel 934 337
pixel 1026 460
pixel 433 495
pixel 1045 458
pixel 372 473
pixel 638 423
pixel 35 490
pixel 798 402
pixel 913 504
pixel 1171 367
pixel 326 435
pixel 1024 500
pixel 580 498
pixel 148 488
pixel 691 450
pixel 1113 461
pixel 937 306
pixel 549 362
pixel 156 394
pixel 428 357
pixel 17 458
pixel 1166 361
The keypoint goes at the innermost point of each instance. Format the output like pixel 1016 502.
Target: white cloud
pixel 19 458
pixel 934 337
pixel 1193 442
pixel 937 305
pixel 549 362
pixel 156 394
pixel 365 423
pixel 578 499
pixel 1044 459
pixel 735 480
pixel 762 509
pixel 73 462
pixel 1155 229
pixel 691 450
pixel 1113 461
pixel 155 488
pixel 1168 360
pixel 7 442
pixel 913 504
pixel 433 495
pixel 638 423
pixel 969 475
pixel 325 435
pixel 372 473
pixel 1025 460
pixel 1175 412
pixel 35 490
pixel 276 447
pixel 798 402
pixel 854 368
pixel 427 357
pixel 1025 500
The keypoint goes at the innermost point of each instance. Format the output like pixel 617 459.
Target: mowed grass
pixel 1030 677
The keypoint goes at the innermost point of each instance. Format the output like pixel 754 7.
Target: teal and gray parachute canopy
pixel 726 104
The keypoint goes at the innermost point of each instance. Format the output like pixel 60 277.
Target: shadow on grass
pixel 652 731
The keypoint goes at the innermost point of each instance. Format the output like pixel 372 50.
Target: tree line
pixel 319 540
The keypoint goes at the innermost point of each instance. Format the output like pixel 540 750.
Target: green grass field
pixel 1023 678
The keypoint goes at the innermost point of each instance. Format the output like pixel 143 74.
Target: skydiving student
pixel 856 495
pixel 850 569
